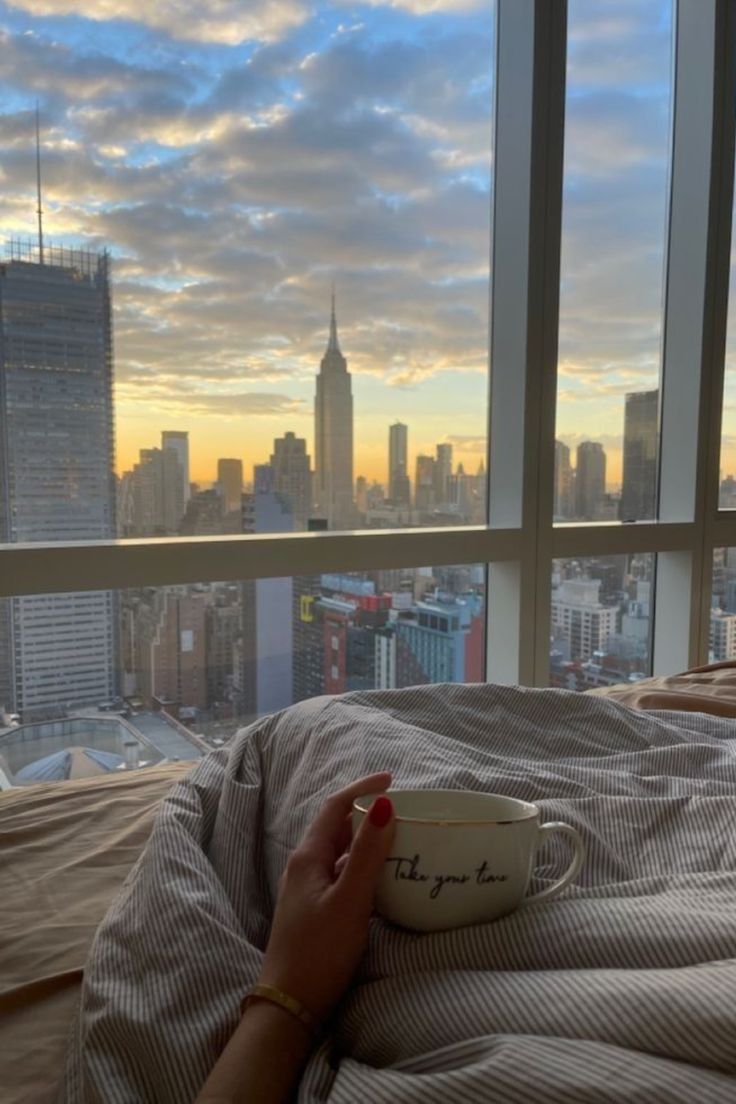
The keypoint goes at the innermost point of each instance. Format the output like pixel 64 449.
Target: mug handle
pixel 573 869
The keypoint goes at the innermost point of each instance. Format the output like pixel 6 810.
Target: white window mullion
pixel 56 568
pixel 528 145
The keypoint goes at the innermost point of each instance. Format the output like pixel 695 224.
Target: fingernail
pixel 380 812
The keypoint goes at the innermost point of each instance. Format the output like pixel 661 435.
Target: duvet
pixel 623 989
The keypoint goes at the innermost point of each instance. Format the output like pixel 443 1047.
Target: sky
pixel 237 158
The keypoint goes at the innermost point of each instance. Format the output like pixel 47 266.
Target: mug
pixel 460 857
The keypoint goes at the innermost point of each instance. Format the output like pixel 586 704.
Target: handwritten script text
pixel 408 869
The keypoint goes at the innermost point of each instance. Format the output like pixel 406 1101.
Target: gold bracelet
pixel 283 1000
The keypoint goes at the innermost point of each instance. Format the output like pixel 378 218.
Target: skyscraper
pixel 307 631
pixel 442 641
pixel 56 472
pixel 205 516
pixel 230 480
pixel 722 642
pixel 590 479
pixel 333 436
pixel 580 619
pixel 267 679
pixel 639 489
pixel 292 476
pixel 179 441
pixel 424 483
pixel 155 504
pixel 563 503
pixel 399 489
pixel 443 474
pixel 361 494
pixel 178 656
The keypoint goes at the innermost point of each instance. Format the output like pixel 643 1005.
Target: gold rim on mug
pixel 447 823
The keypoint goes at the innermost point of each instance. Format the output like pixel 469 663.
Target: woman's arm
pixel 318 936
pixel 263 1060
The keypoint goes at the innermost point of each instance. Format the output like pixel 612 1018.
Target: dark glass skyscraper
pixel 564 499
pixel 590 479
pixel 639 490
pixel 56 472
pixel 442 474
pixel 399 489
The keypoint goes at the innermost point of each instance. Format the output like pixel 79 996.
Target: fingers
pixel 366 858
pixel 345 835
pixel 326 832
pixel 340 865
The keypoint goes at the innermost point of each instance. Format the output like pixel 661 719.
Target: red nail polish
pixel 380 812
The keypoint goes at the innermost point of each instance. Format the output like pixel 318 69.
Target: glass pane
pixel 722 642
pixel 727 496
pixel 601 621
pixel 617 136
pixel 136 676
pixel 283 215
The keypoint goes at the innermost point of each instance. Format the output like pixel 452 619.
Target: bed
pixel 65 850
pixel 638 1004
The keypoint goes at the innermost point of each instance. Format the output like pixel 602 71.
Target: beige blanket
pixel 65 849
pixel 710 689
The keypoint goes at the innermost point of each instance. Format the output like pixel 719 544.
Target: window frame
pixel 520 540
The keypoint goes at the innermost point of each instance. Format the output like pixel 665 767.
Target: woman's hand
pixel 317 938
pixel 320 925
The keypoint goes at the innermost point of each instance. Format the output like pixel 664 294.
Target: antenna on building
pixel 38 186
pixel 333 345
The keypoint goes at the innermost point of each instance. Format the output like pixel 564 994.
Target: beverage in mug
pixel 461 857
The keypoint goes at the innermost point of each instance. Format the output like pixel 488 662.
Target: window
pixel 722 629
pixel 727 475
pixel 297 217
pixel 617 140
pixel 601 621
pixel 178 669
pixel 607 168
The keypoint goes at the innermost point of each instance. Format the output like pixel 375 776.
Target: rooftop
pixel 43 751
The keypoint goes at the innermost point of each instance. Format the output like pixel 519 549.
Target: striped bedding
pixel 623 989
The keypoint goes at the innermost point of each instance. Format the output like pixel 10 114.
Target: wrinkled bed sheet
pixel 709 689
pixel 65 850
pixel 622 989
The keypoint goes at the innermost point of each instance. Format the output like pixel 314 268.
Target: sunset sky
pixel 236 158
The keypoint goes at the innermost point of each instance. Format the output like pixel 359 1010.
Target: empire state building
pixel 333 436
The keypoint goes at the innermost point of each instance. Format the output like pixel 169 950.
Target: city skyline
pixel 179 441
pixel 228 186
pixel 224 251
pixel 197 653
pixel 216 651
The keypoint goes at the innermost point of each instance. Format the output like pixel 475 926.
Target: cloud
pixel 608 440
pixel 611 133
pixel 222 406
pixel 614 211
pixel 428 7
pixel 620 44
pixel 32 62
pixel 468 442
pixel 234 183
pixel 219 21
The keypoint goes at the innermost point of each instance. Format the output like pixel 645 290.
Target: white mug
pixel 461 857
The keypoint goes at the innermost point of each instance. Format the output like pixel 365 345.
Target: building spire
pixel 333 345
pixel 39 209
